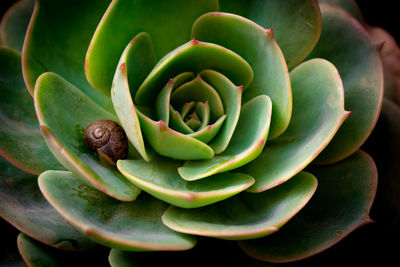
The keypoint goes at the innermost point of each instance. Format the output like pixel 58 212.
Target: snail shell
pixel 108 139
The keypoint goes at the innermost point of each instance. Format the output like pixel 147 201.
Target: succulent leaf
pixel 21 141
pixel 129 226
pixel 128 18
pixel 70 25
pixel 247 142
pixel 199 91
pixel 363 82
pixel 271 76
pixel 318 112
pixel 14 24
pixel 350 6
pixel 135 63
pixel 63 127
pixel 194 56
pixel 35 253
pixel 290 19
pixel 246 215
pixel 161 179
pixel 231 97
pixel 23 206
pixel 341 204
pixel 170 143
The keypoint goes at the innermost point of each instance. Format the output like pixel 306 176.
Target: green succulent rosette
pixel 244 119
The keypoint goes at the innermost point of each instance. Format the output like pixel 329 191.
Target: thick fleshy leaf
pixel 62 31
pixel 350 6
pixel 247 142
pixel 128 18
pixel 341 204
pixel 231 96
pixel 246 215
pixel 64 112
pixel 199 91
pixel 188 107
pixel 135 63
pixel 173 144
pixel 203 110
pixel 14 24
pixel 207 252
pixel 346 44
pixel 21 141
pixel 36 254
pixel 258 47
pixel 161 179
pixel 194 56
pixel 206 134
pixel 127 226
pixel 162 102
pixel 290 19
pixel 318 112
pixel 384 147
pixel 177 122
pixel 390 56
pixel 23 206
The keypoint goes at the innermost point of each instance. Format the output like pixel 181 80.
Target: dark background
pixel 367 245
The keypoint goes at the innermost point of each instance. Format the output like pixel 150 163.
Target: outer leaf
pixel 34 253
pixel 258 47
pixel 350 6
pixel 37 254
pixel 128 18
pixel 135 63
pixel 297 20
pixel 62 30
pixel 14 24
pixel 347 45
pixel 318 112
pixel 161 179
pixel 64 112
pixel 126 226
pixel 246 215
pixel 207 252
pixel 341 204
pixel 23 206
pixel 194 56
pixel 247 142
pixel 21 141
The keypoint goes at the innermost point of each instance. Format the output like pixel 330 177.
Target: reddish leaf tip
pixel 123 67
pixel 240 88
pixel 133 40
pixel 162 126
pixel 270 32
pixel 261 142
pixel 194 41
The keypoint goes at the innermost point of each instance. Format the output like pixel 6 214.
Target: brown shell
pixel 108 139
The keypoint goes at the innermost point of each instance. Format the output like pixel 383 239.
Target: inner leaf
pixel 198 90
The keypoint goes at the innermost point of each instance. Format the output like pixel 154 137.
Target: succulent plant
pixel 146 125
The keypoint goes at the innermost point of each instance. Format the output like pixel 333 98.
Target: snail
pixel 108 139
